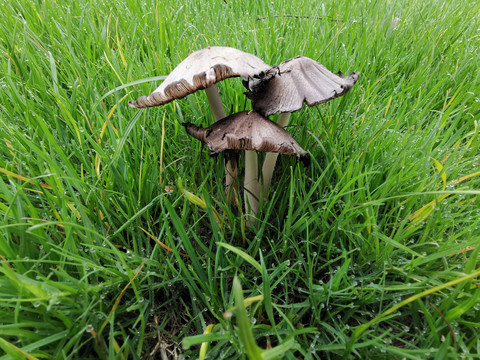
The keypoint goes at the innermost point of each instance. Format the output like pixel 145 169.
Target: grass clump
pixel 370 252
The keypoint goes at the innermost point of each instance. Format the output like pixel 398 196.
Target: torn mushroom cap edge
pixel 200 70
pixel 247 130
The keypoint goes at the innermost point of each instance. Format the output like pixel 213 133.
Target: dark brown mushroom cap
pixel 247 130
pixel 200 70
pixel 300 80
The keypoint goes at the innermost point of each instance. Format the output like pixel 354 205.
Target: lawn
pixel 116 237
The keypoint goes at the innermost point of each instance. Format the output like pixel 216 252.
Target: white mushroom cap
pixel 201 70
pixel 299 81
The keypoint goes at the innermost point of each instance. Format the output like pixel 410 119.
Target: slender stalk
pixel 215 102
pixel 219 113
pixel 271 158
pixel 231 173
pixel 251 184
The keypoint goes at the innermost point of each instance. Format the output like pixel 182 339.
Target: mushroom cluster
pixel 279 89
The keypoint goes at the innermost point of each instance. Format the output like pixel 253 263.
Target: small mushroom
pixel 301 81
pixel 297 81
pixel 247 130
pixel 202 70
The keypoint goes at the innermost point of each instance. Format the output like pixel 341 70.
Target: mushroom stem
pixel 251 185
pixel 215 102
pixel 271 158
pixel 219 113
pixel 231 158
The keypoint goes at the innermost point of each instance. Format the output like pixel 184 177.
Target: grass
pixel 370 252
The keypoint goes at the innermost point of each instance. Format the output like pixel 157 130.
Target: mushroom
pixel 292 84
pixel 202 70
pixel 281 89
pixel 247 130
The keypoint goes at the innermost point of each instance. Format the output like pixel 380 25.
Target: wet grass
pixel 115 243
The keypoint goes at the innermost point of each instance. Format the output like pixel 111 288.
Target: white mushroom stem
pixel 271 158
pixel 215 102
pixel 251 185
pixel 219 113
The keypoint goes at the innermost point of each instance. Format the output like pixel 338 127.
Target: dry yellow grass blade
pixel 102 132
pixel 168 248
pixel 440 169
pixel 246 302
pixel 23 178
pixel 463 251
pixel 100 343
pixel 5 261
pixel 119 298
pixel 194 199
pixel 383 128
pixel 9 145
pixel 474 134
pixel 466 177
pixel 74 210
pixel 68 117
pixel 380 132
pixel 119 46
pixel 360 329
pixel 5 344
pixel 422 213
pixel 204 346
